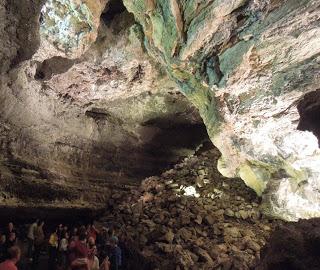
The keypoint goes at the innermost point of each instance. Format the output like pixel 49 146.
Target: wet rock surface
pixel 191 217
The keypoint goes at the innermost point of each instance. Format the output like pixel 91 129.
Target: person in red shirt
pixel 14 256
pixel 80 252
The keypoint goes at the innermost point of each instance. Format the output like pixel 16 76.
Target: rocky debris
pixel 178 224
pixel 293 246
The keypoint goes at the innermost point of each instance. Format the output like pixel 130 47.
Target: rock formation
pixel 82 111
pixel 247 66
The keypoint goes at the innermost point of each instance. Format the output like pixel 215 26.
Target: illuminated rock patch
pixel 71 26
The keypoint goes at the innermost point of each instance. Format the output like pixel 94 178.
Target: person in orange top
pixel 14 256
pixel 53 250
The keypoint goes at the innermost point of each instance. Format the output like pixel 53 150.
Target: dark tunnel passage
pixel 309 110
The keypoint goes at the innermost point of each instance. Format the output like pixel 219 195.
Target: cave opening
pixel 309 111
pixel 113 8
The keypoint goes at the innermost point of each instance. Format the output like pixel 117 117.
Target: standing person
pixel 10 241
pixel 30 237
pixel 92 231
pixel 10 229
pixel 123 245
pixel 2 247
pixel 74 232
pixel 111 233
pixel 101 243
pixel 79 252
pixel 92 254
pixel 53 250
pixel 63 250
pixel 38 242
pixel 60 231
pixel 14 256
pixel 115 255
pixel 65 229
pixel 73 240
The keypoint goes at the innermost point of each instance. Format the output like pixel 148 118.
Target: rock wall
pixel 82 106
pixel 246 65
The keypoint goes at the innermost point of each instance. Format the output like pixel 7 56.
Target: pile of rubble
pixel 191 217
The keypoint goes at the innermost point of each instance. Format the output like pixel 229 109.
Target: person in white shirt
pixel 30 237
pixel 63 249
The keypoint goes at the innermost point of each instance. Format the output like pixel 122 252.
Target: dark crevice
pixel 102 115
pixel 309 110
pixel 211 70
pixel 113 8
pixel 26 14
pixel 97 114
pixel 293 246
pixel 139 74
pixel 52 66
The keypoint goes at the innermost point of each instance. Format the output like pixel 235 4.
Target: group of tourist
pixel 79 248
pixel 9 252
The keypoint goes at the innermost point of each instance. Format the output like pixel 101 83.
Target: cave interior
pixel 192 128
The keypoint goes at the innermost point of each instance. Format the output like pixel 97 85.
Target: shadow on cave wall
pixel 52 66
pixel 24 215
pixel 27 14
pixel 101 161
pixel 294 246
pixel 112 8
pixel 309 110
pixel 164 143
pixel 171 143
